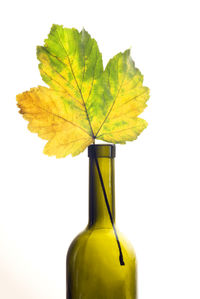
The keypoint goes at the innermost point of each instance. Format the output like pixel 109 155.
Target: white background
pixel 44 201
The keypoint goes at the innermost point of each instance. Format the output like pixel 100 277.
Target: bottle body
pixel 93 270
pixel 93 267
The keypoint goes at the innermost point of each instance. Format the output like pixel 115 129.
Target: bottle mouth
pixel 101 151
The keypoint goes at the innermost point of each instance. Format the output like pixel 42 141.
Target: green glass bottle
pixel 101 263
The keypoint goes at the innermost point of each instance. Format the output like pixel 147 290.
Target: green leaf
pixel 125 98
pixel 83 102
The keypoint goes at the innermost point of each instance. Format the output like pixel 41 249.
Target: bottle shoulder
pixel 79 240
pixel 94 269
pixel 94 241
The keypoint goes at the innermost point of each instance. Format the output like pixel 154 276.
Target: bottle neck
pixel 98 213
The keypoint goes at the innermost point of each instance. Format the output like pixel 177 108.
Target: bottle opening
pixel 101 151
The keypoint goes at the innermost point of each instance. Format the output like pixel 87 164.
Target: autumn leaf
pixel 83 101
pixel 125 100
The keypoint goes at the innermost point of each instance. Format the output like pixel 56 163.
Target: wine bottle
pixel 101 263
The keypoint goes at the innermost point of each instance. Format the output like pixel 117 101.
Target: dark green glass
pixel 96 269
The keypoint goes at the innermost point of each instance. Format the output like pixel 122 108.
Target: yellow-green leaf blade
pixel 71 62
pixel 125 98
pixel 83 101
pixel 121 131
pixel 55 118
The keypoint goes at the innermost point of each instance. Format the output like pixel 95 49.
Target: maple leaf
pixel 84 102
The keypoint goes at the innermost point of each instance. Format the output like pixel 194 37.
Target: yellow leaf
pixel 83 102
pixel 54 118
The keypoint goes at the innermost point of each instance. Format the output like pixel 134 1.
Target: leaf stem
pixel 121 260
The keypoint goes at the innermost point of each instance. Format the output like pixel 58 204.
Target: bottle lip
pixel 102 151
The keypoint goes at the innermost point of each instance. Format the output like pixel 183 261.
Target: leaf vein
pixel 56 115
pixel 111 106
pixel 66 91
pixel 114 132
pixel 76 84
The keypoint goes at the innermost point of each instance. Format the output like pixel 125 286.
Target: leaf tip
pixel 127 52
pixel 54 27
pixel 84 34
pixel 38 51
